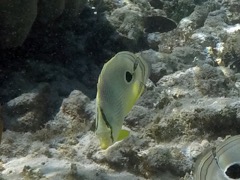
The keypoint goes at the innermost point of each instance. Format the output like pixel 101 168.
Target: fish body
pixel 220 163
pixel 120 84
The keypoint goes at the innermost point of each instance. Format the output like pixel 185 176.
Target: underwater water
pixel 75 106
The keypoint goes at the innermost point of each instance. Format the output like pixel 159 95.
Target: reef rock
pixel 16 18
pixel 128 22
pixel 190 102
pixel 191 118
pixel 143 157
pixel 1 123
pixel 77 110
pixel 74 7
pixel 49 10
pixel 232 10
pixel 231 51
pixel 29 111
pixel 197 82
pixel 134 20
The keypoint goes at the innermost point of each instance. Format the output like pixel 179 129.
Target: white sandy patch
pixel 232 29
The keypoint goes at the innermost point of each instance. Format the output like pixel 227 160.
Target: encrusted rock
pixel 17 17
pixel 129 24
pixel 135 155
pixel 77 110
pixel 232 10
pixel 138 117
pixel 189 104
pixel 31 173
pixel 231 51
pixel 165 158
pixel 122 155
pixel 29 111
pixel 189 119
pixel 1 123
pixel 198 81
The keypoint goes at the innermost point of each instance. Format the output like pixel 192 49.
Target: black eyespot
pixel 233 171
pixel 128 76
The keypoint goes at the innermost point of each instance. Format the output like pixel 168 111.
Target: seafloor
pixel 51 53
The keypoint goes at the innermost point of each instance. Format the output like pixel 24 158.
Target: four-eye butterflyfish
pixel 120 84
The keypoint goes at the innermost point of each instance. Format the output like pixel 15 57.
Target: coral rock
pixel 16 19
pixel 29 111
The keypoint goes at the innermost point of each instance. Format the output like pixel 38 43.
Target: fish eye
pixel 128 76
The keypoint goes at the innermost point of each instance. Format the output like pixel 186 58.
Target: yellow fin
pixel 123 134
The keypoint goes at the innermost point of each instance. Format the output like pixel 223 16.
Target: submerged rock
pixel 140 156
pixel 17 18
pixel 74 7
pixel 29 111
pixel 49 10
pixel 77 111
pixel 1 123
pixel 231 51
pixel 190 103
pixel 128 23
pixel 232 10
pixel 190 119
pixel 198 81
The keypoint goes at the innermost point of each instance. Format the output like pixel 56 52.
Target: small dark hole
pixel 233 171
pixel 128 76
pixel 156 4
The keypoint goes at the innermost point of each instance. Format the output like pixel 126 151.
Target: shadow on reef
pixel 86 42
pixel 159 24
pixel 73 44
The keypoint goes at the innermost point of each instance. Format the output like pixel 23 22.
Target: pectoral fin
pixel 123 134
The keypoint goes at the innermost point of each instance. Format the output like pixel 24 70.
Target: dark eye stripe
pixel 137 61
pixel 141 64
pixel 107 123
pixel 206 165
pixel 135 65
pixel 214 154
